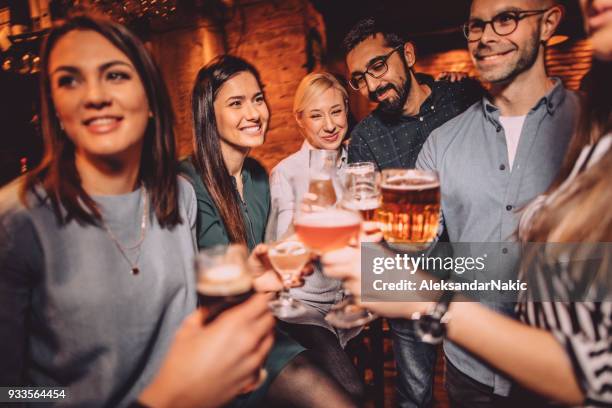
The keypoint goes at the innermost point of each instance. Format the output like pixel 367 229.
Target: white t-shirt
pixel 513 125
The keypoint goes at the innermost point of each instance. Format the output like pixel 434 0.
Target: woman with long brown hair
pixel 561 349
pixel 96 244
pixel 230 118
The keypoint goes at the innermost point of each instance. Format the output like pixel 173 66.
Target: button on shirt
pixel 480 194
pixel 396 142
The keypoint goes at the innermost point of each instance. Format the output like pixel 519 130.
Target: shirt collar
pixel 425 79
pixel 551 101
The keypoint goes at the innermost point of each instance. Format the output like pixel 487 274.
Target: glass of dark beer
pixel 222 278
pixel 223 281
pixel 409 214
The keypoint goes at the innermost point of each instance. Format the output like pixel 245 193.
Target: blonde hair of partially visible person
pixel 314 85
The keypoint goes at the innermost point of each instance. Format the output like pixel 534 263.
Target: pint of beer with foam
pixel 410 209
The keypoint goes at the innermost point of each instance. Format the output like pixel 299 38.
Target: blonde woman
pixel 321 110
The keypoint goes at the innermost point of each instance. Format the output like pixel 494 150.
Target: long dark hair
pixel 583 214
pixel 368 28
pixel 207 157
pixel 158 167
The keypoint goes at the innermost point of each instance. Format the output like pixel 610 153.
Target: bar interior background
pixel 284 39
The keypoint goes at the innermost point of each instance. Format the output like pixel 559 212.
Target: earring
pixel 150 115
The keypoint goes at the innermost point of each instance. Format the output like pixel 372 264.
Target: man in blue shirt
pixel 498 155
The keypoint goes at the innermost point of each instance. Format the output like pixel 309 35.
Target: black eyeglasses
pixel 504 23
pixel 377 68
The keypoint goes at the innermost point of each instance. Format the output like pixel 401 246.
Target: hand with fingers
pixel 266 279
pixel 345 264
pixel 208 365
pixel 370 232
pixel 451 76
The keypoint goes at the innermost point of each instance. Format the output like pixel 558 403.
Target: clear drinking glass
pixel 322 174
pixel 361 189
pixel 324 228
pixel 223 281
pixel 361 193
pixel 288 257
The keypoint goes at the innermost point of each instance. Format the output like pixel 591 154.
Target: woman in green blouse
pixel 231 117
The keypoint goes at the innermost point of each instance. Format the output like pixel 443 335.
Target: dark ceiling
pixel 433 25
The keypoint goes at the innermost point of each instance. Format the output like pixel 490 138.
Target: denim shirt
pixel 481 193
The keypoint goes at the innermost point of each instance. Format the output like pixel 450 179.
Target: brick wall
pixel 272 35
pixel 180 54
pixel 570 61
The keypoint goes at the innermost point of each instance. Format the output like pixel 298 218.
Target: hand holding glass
pixel 223 281
pixel 288 258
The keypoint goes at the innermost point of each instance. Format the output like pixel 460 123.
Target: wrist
pixel 456 311
pixel 431 325
pixel 417 307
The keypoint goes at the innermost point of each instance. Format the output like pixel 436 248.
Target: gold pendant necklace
pixel 134 270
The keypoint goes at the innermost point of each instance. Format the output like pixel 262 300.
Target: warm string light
pixel 20 56
pixel 128 10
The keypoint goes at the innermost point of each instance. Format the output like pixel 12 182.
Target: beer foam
pixel 223 280
pixel 329 218
pixel 410 182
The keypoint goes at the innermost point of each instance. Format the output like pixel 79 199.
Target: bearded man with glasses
pixel 496 157
pixel 410 106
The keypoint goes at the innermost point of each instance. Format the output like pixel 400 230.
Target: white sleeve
pixel 282 205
